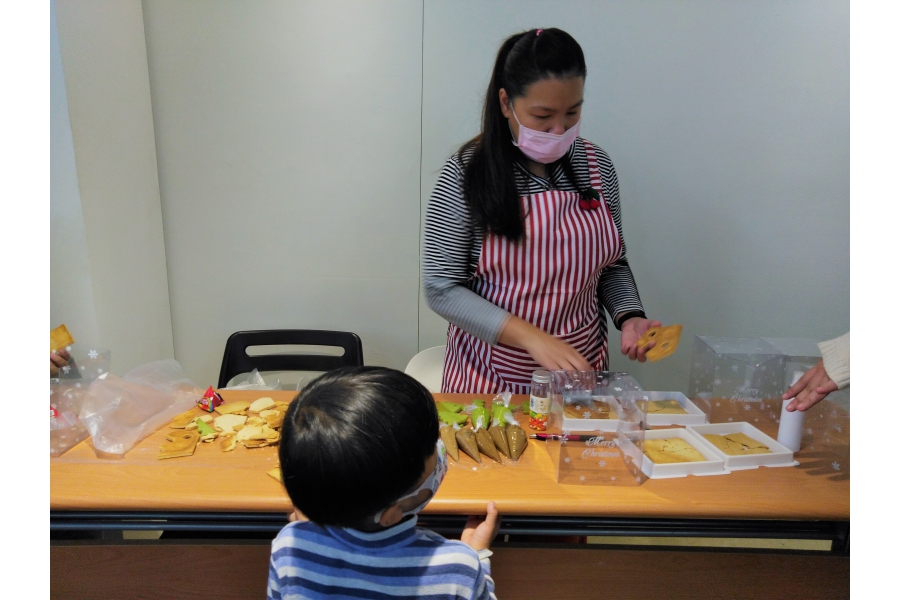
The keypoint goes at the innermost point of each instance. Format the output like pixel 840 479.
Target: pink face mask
pixel 544 147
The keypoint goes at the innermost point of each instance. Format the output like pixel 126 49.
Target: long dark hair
pixel 489 182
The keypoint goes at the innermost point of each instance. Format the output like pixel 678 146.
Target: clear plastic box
pixel 694 416
pixel 736 370
pixel 589 400
pixel 593 451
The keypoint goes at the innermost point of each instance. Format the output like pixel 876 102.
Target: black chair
pixel 237 361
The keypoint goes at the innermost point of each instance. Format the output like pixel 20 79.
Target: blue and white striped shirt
pixel 311 561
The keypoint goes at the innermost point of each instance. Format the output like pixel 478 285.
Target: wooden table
pixel 220 492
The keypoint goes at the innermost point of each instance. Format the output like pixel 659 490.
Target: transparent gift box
pixel 666 409
pixel 600 441
pixel 727 373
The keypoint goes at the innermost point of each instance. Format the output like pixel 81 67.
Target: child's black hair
pixel 354 441
pixel 489 182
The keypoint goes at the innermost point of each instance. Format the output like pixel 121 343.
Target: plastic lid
pixel 540 376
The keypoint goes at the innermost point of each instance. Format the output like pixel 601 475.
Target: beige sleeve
pixel 836 359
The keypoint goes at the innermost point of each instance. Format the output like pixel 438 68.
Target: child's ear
pixel 391 515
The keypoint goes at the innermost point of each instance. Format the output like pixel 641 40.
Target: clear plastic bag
pixel 120 412
pixel 254 381
pixel 67 395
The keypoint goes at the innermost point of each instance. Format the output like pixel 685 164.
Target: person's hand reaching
pixel 481 531
pixel 632 330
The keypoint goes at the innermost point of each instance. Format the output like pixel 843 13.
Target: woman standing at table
pixel 523 234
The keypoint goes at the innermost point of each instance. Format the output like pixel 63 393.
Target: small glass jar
pixel 539 406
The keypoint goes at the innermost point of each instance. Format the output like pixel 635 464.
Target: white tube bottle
pixel 790 427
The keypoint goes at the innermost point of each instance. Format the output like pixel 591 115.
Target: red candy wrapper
pixel 210 400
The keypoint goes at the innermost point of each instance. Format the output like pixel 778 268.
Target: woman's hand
pixel 809 389
pixel 481 531
pixel 546 350
pixel 58 360
pixel 632 330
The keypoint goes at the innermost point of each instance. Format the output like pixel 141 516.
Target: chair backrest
pixel 428 367
pixel 236 360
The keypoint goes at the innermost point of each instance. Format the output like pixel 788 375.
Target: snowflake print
pixel 99 370
pixel 730 419
pixel 718 404
pixel 83 368
pixel 581 478
pixel 586 415
pixel 838 429
pixel 78 385
pixel 734 368
pixel 66 369
pixel 756 420
pixel 51 392
pixel 617 388
pixel 602 463
pixel 613 478
pixel 92 354
pixel 717 381
pixel 836 466
pixel 746 407
pixel 567 460
pixel 809 430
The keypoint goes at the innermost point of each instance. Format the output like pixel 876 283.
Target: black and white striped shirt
pixel 452 245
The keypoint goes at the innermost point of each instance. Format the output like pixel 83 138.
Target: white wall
pixel 71 291
pixel 728 124
pixel 288 137
pixel 298 143
pixel 104 58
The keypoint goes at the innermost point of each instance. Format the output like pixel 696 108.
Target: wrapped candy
pixel 517 439
pixel 482 438
pixel 465 437
pixel 451 407
pixel 498 434
pixel 210 400
pixel 448 435
pixel 452 418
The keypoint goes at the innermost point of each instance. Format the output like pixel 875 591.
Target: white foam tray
pixel 714 465
pixel 694 415
pixel 571 424
pixel 780 456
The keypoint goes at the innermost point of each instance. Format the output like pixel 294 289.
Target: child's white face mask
pixel 432 483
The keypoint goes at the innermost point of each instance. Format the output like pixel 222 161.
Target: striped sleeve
pixel 617 290
pixel 273 592
pixel 451 247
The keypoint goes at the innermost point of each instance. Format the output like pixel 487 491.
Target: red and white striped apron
pixel 549 278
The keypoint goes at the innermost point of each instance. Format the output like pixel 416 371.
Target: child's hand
pixel 296 516
pixel 480 531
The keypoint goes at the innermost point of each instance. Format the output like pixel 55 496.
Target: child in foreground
pixel 360 457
